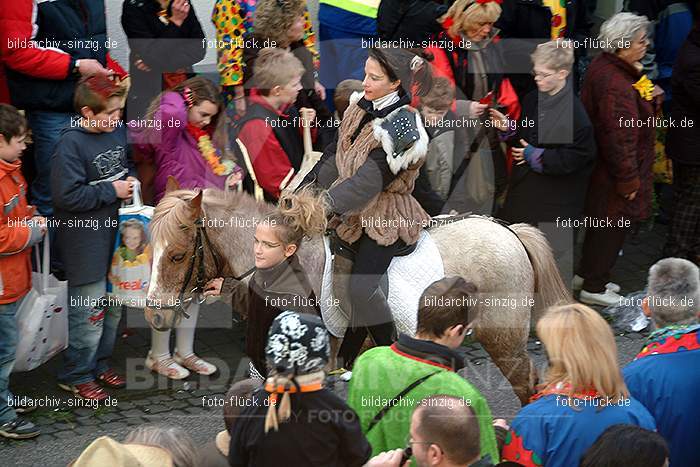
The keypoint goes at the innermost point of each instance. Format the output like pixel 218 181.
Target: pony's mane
pixel 173 214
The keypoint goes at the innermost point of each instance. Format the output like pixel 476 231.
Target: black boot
pixel 383 334
pixel 350 348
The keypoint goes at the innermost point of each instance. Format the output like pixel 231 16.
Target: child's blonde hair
pixel 298 215
pixel 275 67
pixel 555 55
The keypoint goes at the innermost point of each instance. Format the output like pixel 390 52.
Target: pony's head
pixel 183 257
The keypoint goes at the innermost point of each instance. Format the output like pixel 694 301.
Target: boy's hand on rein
pixel 213 287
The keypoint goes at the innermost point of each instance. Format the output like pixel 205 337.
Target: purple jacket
pixel 173 149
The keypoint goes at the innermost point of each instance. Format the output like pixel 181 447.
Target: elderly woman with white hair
pixel 665 375
pixel 620 102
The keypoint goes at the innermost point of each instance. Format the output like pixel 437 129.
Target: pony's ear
pixel 196 205
pixel 172 184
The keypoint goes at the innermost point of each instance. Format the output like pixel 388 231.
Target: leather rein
pixel 201 241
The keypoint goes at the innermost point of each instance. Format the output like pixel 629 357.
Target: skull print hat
pixel 297 344
pixel 297 350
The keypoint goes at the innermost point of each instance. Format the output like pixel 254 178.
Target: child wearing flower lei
pixel 210 153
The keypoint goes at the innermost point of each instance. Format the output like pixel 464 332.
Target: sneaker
pixel 167 367
pixel 89 390
pixel 577 284
pixel 196 364
pixel 110 379
pixel 19 429
pixel 607 298
pixel 337 371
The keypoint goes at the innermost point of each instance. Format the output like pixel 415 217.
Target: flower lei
pixel 163 17
pixel 644 87
pixel 209 152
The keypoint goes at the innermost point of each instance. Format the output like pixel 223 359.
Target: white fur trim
pixel 356 96
pixel 413 154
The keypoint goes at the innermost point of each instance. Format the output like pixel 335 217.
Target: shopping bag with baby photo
pixel 130 272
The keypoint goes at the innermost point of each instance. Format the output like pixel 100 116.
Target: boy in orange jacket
pixel 18 232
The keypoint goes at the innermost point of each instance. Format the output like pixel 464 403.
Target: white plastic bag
pixel 42 318
pixel 130 272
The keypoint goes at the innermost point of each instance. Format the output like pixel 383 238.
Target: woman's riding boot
pixel 383 334
pixel 352 343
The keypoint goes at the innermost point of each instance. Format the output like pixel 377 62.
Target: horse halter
pixel 201 240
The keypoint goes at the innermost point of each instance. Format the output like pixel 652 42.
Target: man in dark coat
pixel 412 20
pixel 164 44
pixel 683 147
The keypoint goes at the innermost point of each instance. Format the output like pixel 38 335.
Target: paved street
pixel 192 404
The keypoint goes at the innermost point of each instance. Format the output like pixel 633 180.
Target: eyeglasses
pixel 408 450
pixel 542 75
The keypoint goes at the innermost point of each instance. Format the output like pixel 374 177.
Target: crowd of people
pixel 502 108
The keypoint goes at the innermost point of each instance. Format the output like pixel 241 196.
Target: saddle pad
pixel 335 319
pixel 408 275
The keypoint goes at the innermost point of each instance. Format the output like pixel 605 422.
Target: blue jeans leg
pixel 86 310
pixel 46 131
pixel 113 314
pixel 8 347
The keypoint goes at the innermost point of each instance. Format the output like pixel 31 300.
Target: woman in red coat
pixel 620 103
pixel 467 52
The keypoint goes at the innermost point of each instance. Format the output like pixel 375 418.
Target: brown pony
pixel 513 268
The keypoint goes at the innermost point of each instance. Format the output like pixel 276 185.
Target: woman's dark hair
pixel 627 445
pixel 410 66
pixel 201 89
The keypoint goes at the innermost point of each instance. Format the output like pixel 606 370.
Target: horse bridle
pixel 201 240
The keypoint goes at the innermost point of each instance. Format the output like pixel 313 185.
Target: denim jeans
pixel 110 324
pixel 92 329
pixel 8 347
pixel 46 131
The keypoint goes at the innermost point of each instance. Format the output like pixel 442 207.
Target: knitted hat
pixel 297 344
pixel 297 350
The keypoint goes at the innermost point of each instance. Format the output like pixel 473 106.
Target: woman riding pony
pixel 370 171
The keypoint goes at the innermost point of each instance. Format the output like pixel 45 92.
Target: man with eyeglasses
pixel 444 433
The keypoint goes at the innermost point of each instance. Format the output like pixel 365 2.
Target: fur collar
pixel 416 152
